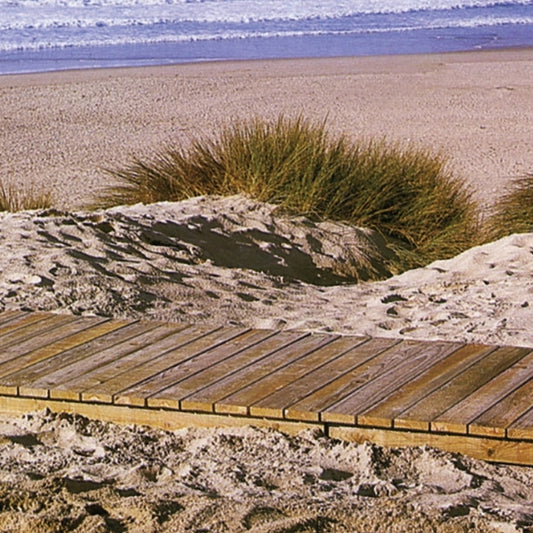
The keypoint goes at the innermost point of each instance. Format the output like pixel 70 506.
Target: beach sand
pixel 59 130
pixel 235 261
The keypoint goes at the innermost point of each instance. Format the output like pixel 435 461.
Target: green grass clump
pixel 404 192
pixel 15 199
pixel 514 212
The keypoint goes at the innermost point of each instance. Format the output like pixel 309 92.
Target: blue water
pixel 41 35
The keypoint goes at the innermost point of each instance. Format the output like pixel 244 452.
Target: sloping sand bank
pixel 233 260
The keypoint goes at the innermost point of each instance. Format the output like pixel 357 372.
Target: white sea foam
pixel 39 24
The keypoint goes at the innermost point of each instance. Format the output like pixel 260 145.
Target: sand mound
pixel 73 474
pixel 233 260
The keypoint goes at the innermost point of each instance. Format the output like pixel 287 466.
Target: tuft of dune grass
pixel 15 199
pixel 514 211
pixel 406 193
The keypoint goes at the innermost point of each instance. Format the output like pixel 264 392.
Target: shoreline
pixel 367 63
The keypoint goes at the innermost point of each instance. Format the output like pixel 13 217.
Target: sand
pixel 59 130
pixel 232 260
pixel 235 261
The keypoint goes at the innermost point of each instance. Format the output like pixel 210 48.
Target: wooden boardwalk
pixel 473 399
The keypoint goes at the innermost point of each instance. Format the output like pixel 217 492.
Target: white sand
pixel 233 261
pixel 64 473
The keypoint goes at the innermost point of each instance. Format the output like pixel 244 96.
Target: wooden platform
pixel 472 399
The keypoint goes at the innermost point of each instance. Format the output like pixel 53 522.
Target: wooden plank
pixel 211 397
pixel 181 366
pixel 190 392
pixel 432 406
pixel 282 400
pixel 415 360
pixel 386 359
pixel 486 449
pixel 148 380
pixel 167 420
pixel 13 371
pixel 495 421
pixel 61 383
pixel 8 316
pixel 38 378
pixel 28 326
pixel 457 418
pixel 63 326
pixel 154 360
pixel 257 372
pixel 80 333
pixel 383 413
pixel 262 389
pixel 522 428
pixel 14 320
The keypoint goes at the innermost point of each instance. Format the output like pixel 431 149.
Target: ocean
pixel 43 35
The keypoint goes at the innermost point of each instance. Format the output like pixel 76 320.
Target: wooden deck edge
pixel 487 449
pixel 484 448
pixel 163 419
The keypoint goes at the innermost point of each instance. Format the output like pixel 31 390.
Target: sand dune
pixel 233 260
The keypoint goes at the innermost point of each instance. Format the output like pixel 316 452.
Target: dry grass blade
pixel 405 193
pixel 13 199
pixel 514 211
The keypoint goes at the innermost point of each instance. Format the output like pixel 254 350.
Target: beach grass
pixel 13 198
pixel 406 193
pixel 514 212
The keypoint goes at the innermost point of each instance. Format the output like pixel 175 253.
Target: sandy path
pixel 59 129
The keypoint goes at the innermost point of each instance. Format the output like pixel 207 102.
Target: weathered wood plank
pixel 258 371
pixel 150 380
pixel 181 366
pixel 522 428
pixel 277 379
pixel 335 391
pixel 14 321
pixel 78 333
pixel 191 393
pixel 275 382
pixel 212 396
pixel 64 379
pixel 38 378
pixel 486 449
pixel 383 413
pixel 495 421
pixel 25 346
pixel 457 418
pixel 282 400
pixel 416 359
pixel 95 330
pixel 154 360
pixel 8 316
pixel 50 343
pixel 432 406
pixel 28 327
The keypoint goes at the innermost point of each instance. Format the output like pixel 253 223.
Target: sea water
pixel 40 35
